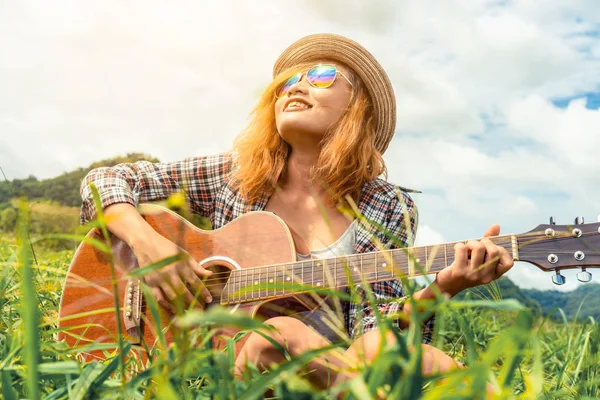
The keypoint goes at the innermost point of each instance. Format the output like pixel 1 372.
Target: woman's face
pixel 306 113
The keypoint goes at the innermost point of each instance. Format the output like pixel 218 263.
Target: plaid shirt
pixel 206 182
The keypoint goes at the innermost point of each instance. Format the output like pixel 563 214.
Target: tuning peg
pixel 584 276
pixel 578 220
pixel 553 221
pixel 598 218
pixel 559 279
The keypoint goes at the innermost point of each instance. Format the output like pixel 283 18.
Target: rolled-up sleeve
pixel 199 178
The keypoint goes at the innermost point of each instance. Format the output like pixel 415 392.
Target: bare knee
pixel 436 361
pixel 282 338
pixel 368 346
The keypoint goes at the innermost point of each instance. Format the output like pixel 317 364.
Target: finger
pixel 505 264
pixel 461 256
pixel 493 230
pixel 162 301
pixel 199 270
pixel 177 290
pixel 477 255
pixel 492 251
pixel 197 286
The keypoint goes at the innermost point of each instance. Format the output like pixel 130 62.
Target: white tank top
pixel 344 246
pixel 321 319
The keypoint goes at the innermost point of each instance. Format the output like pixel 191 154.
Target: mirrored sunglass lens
pixel 286 86
pixel 321 76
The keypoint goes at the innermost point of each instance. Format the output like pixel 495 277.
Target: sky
pixel 498 101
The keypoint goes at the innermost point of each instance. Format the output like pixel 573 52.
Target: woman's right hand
pixel 182 279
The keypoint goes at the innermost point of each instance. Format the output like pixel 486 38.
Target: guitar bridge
pixel 132 311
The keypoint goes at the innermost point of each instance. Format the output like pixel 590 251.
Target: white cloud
pixel 428 236
pixel 572 134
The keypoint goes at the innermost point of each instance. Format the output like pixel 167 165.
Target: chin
pixel 293 126
pixel 297 135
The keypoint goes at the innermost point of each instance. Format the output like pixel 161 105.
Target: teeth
pixel 298 104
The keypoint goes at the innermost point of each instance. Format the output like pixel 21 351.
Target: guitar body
pixel 87 310
pixel 257 252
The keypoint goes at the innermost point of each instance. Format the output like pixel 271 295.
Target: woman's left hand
pixel 476 262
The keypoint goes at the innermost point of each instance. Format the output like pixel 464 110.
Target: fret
pixel 272 280
pixel 426 259
pixel 251 280
pixel 239 284
pixel 250 287
pixel 433 255
pixel 306 273
pixel 445 256
pixel 235 294
pixel 278 280
pixel 257 282
pixel 411 262
pixel 298 273
pixel 320 276
pixel 231 286
pixel 312 275
pixel 241 291
pixel 359 280
pixel 235 291
pixel 284 277
pixel 227 293
pixel 262 280
pixel 265 283
pixel 245 289
pixel 238 289
pixel 335 281
pixel 375 265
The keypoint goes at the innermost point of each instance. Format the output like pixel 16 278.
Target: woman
pixel 315 142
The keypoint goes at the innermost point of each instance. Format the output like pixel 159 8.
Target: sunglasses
pixel 320 76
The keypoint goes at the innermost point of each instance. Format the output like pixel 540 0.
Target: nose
pixel 300 86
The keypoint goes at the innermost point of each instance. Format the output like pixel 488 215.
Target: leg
pixel 297 338
pixel 366 348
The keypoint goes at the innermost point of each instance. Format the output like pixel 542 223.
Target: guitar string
pixel 506 239
pixel 356 256
pixel 366 257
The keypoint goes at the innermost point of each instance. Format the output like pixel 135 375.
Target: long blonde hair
pixel 347 159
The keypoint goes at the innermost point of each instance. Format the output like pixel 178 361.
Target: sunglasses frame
pixel 281 93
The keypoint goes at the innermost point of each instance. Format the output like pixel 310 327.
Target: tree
pixel 8 220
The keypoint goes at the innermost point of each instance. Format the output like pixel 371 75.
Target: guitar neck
pixel 281 280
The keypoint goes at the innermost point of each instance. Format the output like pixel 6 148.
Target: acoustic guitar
pixel 255 271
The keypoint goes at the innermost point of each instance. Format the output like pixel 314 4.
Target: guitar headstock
pixel 554 247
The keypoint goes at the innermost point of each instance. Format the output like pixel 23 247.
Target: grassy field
pixel 498 340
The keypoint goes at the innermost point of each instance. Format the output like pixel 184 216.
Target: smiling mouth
pixel 297 106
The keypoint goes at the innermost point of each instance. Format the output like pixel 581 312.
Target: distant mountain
pixel 542 302
pixel 503 288
pixel 63 189
pixel 585 296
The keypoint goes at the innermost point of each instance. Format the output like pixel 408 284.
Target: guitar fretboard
pixel 279 280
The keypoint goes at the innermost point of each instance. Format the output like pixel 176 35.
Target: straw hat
pixel 339 48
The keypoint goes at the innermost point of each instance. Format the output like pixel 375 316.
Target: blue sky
pixel 592 100
pixel 498 102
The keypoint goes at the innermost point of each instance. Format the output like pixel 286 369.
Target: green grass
pixel 499 341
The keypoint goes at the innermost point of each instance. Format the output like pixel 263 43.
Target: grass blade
pixel 29 307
